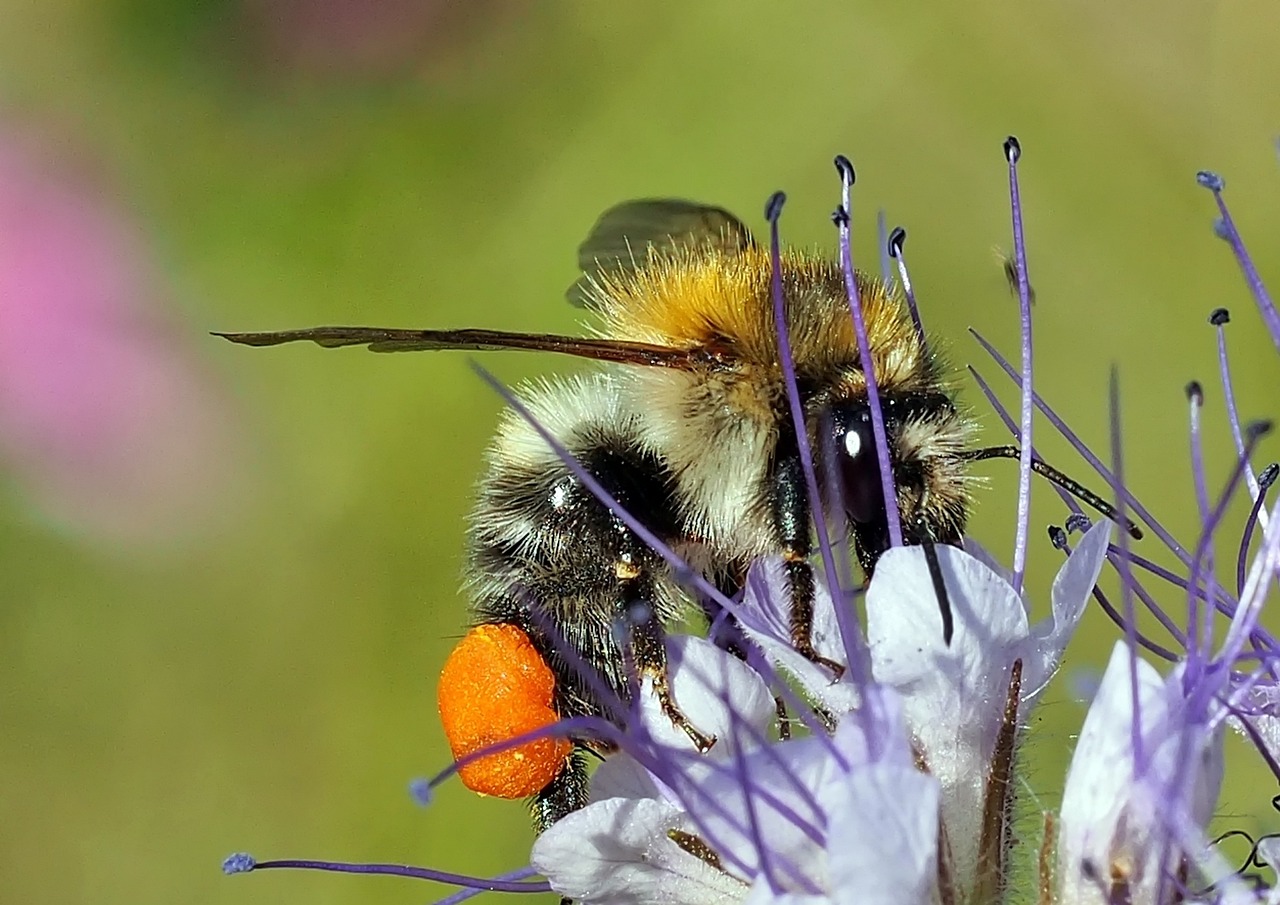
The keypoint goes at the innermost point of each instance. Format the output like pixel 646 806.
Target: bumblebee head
pixel 925 436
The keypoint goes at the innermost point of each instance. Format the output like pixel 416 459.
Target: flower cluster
pixel 895 783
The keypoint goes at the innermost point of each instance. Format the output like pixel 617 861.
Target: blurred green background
pixel 260 675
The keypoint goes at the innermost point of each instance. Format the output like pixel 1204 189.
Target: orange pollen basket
pixel 495 686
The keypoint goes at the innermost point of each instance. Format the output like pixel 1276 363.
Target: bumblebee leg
pixel 791 517
pixel 649 651
pixel 563 795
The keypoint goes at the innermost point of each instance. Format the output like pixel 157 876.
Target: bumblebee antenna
pixel 1073 487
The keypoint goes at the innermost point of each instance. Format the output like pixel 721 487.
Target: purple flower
pixel 902 789
pixel 844 817
pixel 906 798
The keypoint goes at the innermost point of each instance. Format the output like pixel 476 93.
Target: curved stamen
pixel 1264 482
pixel 897 240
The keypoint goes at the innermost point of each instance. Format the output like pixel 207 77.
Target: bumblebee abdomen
pixel 549 557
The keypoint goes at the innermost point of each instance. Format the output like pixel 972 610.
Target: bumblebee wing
pixel 1009 263
pixel 622 237
pixel 380 339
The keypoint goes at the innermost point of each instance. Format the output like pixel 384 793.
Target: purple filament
pixel 1087 454
pixel 484 884
pixel 1165 620
pixel 1219 319
pixel 1013 152
pixel 892 518
pixel 1058 538
pixel 1267 308
pixel 1265 566
pixel 463 895
pixel 1199 626
pixel 850 633
pixel 1255 517
pixel 672 559
pixel 573 726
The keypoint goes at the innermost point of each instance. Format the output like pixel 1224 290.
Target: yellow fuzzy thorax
pixel 700 296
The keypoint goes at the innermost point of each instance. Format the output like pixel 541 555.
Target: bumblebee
pixel 687 426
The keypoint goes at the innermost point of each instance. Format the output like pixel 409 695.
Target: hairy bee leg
pixel 791 518
pixel 648 646
pixel 800 580
pixel 567 793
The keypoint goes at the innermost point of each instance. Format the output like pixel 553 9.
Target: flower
pixel 110 425
pixel 933 705
pixel 1142 757
pixel 902 788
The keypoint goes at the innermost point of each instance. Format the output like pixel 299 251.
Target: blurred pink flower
pixel 109 425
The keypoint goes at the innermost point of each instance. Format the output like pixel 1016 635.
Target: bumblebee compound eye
pixel 494 687
pixel 855 451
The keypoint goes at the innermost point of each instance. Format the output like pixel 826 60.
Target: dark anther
pixel 1268 476
pixel 1256 430
pixel 845 168
pixel 1078 522
pixel 1057 537
pixel 940 591
pixel 1195 392
pixel 695 846
pixel 897 239
pixel 1012 149
pixel 1219 317
pixel 840 217
pixel 773 207
pixel 1211 181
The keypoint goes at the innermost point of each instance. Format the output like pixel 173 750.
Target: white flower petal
pixel 953 695
pixel 1269 853
pixel 763 894
pixel 883 837
pixel 719 694
pixel 1263 703
pixel 984 556
pixel 784 799
pixel 620 776
pixel 758 800
pixel 766 620
pixel 1072 588
pixel 618 852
